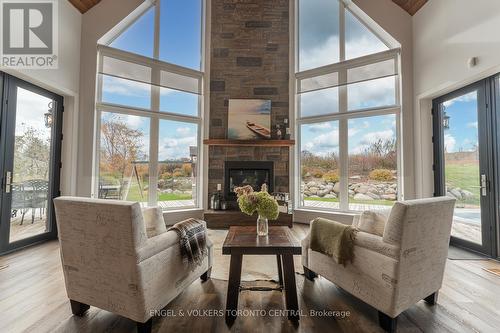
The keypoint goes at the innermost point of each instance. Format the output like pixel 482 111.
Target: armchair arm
pixel 157 244
pixel 375 243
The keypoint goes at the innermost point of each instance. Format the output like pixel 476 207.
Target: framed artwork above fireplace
pixel 249 119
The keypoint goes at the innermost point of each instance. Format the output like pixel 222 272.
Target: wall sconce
pixel 49 115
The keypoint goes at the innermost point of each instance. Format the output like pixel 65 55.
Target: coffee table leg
pixel 280 270
pixel 292 304
pixel 233 286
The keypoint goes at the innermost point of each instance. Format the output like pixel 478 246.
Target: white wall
pixel 64 81
pixel 96 22
pixel 397 22
pixel 446 33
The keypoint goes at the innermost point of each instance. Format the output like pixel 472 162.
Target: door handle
pixel 8 181
pixel 484 185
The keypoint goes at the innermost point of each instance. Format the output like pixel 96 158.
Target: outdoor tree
pixel 120 146
pixel 32 155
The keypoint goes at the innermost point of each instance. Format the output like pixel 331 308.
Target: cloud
pixel 319 127
pixel 373 93
pixel 183 131
pixel 31 108
pixel 321 55
pixel 319 102
pixel 472 96
pixel 134 121
pixel 449 143
pixel 174 149
pixel 371 137
pixel 323 144
pixel 114 85
pixel 368 139
pixel 473 124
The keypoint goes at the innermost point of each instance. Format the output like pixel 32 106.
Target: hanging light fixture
pixel 49 115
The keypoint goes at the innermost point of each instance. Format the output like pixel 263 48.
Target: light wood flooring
pixel 33 299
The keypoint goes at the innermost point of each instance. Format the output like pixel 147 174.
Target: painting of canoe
pixel 259 130
pixel 249 119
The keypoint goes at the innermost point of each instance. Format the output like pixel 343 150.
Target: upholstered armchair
pixel 396 267
pixel 109 261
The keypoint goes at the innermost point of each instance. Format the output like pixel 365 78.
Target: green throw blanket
pixel 333 239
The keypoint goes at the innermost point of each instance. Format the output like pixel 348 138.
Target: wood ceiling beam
pixel 84 5
pixel 411 6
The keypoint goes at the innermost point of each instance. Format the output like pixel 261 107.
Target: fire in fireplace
pixel 241 173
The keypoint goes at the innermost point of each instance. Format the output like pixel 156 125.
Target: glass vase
pixel 262 226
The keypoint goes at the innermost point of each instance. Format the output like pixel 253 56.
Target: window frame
pixel 154 114
pixel 343 115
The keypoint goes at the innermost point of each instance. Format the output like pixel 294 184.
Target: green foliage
pixel 331 176
pixel 261 202
pixel 381 175
pixel 31 155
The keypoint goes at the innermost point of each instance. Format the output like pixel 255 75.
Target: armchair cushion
pixel 373 222
pixel 375 243
pixel 153 220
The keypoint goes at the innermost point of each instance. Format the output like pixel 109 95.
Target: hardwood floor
pixel 33 299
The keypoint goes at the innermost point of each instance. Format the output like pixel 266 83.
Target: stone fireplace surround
pixel 249 59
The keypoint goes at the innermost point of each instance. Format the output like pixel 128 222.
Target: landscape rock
pixel 361 196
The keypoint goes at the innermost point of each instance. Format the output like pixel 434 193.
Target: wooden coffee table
pixel 279 242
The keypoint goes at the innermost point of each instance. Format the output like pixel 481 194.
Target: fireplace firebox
pixel 241 173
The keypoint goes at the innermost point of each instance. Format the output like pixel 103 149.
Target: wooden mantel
pixel 229 142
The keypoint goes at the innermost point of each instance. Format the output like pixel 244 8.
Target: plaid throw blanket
pixel 193 240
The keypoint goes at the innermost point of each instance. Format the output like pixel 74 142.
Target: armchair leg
pixel 77 308
pixel 387 323
pixel 205 276
pixel 310 275
pixel 432 298
pixel 144 327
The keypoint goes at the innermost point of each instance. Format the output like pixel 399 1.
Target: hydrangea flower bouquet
pixel 261 202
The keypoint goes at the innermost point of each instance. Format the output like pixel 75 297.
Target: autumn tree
pixel 120 146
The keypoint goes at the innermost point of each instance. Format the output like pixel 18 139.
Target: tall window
pixel 347 102
pixel 149 101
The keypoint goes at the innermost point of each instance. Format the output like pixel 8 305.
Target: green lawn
pixel 135 195
pixel 172 196
pixel 465 176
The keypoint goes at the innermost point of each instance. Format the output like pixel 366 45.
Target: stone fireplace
pixel 249 59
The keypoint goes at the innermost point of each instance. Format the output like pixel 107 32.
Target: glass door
pixel 463 166
pixel 30 146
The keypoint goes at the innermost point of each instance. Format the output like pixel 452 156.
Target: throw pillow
pixel 373 222
pixel 153 220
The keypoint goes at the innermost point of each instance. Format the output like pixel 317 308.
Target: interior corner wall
pixel 398 24
pixel 95 23
pixel 63 81
pixel 446 33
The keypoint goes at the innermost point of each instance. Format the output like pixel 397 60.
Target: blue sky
pixel 463 132
pixel 180 33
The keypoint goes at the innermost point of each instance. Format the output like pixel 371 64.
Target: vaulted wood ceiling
pixel 84 5
pixel 411 6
